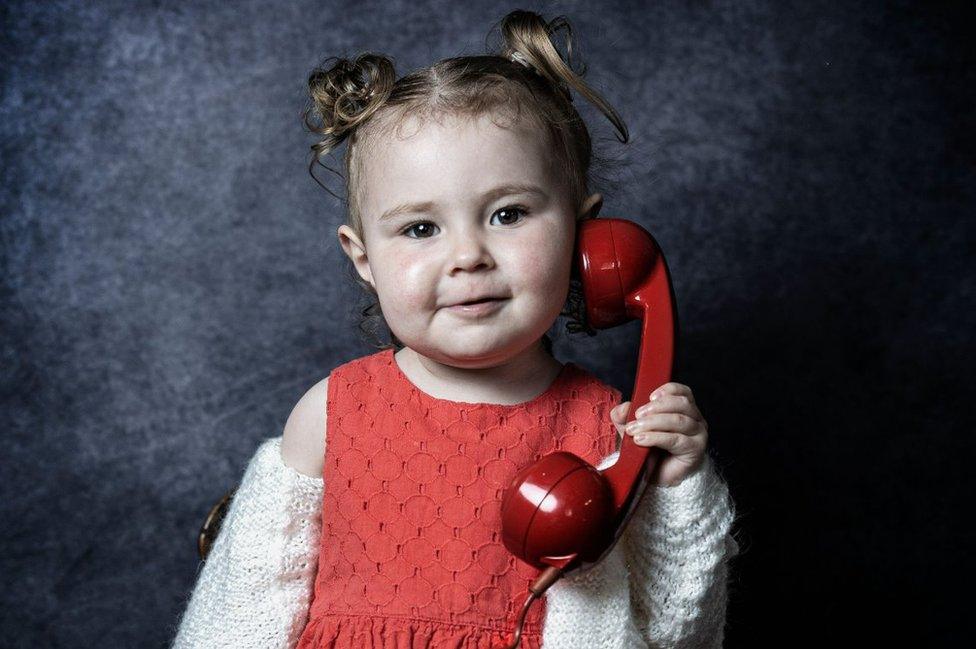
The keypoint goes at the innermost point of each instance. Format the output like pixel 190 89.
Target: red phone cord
pixel 546 578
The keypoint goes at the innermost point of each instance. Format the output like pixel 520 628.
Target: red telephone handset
pixel 560 512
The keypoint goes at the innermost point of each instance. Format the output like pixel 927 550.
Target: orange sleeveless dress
pixel 412 554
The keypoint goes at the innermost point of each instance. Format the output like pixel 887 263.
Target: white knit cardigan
pixel 662 585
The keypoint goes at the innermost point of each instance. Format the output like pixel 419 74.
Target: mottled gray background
pixel 172 284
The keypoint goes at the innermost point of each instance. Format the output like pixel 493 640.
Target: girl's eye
pixel 419 224
pixel 509 212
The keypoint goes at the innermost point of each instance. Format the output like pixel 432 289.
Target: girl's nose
pixel 469 252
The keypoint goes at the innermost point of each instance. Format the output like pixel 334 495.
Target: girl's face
pixel 459 210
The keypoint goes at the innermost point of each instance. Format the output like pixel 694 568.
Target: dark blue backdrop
pixel 172 284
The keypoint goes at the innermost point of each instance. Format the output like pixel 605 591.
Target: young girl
pixel 374 521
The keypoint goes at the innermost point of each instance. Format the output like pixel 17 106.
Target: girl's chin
pixel 474 352
pixel 468 355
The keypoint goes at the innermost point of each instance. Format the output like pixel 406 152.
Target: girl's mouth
pixel 479 308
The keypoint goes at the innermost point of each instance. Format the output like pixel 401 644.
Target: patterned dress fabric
pixel 411 551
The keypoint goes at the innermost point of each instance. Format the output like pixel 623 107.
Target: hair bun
pixel 530 40
pixel 345 95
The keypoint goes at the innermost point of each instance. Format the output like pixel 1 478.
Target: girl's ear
pixel 590 207
pixel 356 251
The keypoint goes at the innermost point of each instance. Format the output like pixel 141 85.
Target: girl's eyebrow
pixel 490 195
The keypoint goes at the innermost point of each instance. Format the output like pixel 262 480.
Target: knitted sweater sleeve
pixel 664 584
pixel 677 547
pixel 255 587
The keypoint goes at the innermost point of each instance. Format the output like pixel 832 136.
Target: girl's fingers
pixel 673 443
pixel 619 412
pixel 672 388
pixel 670 403
pixel 666 422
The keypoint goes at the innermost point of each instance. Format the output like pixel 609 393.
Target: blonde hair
pixel 361 101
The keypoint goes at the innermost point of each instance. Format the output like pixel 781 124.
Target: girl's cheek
pixel 537 267
pixel 389 258
pixel 406 271
pixel 542 267
pixel 409 262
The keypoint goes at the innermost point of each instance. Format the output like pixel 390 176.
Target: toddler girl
pixel 375 520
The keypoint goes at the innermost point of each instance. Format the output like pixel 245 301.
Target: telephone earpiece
pixel 560 511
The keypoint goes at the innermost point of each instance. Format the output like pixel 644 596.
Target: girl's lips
pixel 477 308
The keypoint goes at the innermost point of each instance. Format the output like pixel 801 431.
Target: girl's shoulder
pixel 303 440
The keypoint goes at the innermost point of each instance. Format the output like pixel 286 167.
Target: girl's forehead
pixel 458 145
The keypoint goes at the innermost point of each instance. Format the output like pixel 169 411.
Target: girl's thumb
pixel 618 415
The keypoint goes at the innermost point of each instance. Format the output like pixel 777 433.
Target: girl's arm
pixel 677 546
pixel 256 584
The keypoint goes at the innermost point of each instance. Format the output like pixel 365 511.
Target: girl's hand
pixel 670 420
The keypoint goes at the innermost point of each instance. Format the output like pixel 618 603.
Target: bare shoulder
pixel 303 442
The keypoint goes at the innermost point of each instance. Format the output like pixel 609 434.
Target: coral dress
pixel 412 555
